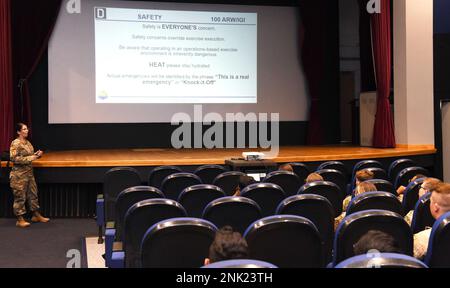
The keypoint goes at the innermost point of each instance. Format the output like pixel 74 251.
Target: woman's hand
pixel 39 153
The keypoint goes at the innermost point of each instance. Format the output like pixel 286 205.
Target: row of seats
pixel 283 240
pixel 239 212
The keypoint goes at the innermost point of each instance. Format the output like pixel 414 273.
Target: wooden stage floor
pixel 156 157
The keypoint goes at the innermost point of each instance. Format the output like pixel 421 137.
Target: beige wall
pixel 413 71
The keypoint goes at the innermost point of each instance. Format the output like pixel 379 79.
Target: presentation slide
pixel 163 56
pixel 115 61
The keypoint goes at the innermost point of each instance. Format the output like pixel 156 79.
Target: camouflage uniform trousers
pixel 25 190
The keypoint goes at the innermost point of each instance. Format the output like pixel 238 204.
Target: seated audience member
pixel 227 245
pixel 376 240
pixel 427 186
pixel 286 167
pixel 360 188
pixel 439 205
pixel 244 181
pixel 363 175
pixel 313 177
pixel 401 189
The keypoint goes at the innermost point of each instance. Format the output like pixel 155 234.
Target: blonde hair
pixel 364 187
pixel 313 177
pixel 363 175
pixel 441 196
pixel 430 183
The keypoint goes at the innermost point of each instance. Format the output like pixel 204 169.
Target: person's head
pixel 428 185
pixel 440 200
pixel 376 240
pixel 363 175
pixel 417 176
pixel 364 187
pixel 244 181
pixel 22 130
pixel 227 245
pixel 312 177
pixel 286 167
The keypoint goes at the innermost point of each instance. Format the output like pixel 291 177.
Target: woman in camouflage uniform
pixel 22 179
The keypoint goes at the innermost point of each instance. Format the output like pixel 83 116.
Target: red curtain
pixel 6 90
pixel 383 134
pixel 32 25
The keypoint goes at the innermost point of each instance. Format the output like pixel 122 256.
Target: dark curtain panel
pixel 6 91
pixel 365 49
pixel 383 134
pixel 32 25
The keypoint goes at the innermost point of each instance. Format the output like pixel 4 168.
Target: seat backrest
pixel 237 212
pixel 354 226
pixel 287 241
pixel 158 174
pixel 267 195
pixel 438 252
pixel 327 189
pixel 240 263
pixel 302 170
pixel 397 166
pixel 128 198
pixel 209 172
pixel 195 198
pixel 411 194
pixel 335 165
pixel 383 185
pixel 334 176
pixel 142 216
pixel 375 200
pixel 422 217
pixel 177 243
pixel 363 164
pixel 288 181
pixel 115 181
pixel 228 181
pixel 382 260
pixel 406 174
pixel 173 184
pixel 317 209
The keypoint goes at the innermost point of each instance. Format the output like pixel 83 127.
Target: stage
pixel 69 181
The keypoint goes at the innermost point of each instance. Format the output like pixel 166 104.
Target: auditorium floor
pixel 52 245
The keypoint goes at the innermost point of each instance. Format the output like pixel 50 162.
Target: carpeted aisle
pixel 43 245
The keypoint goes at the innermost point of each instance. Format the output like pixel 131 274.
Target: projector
pixel 249 156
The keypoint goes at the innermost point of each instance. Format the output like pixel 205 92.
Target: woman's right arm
pixel 18 159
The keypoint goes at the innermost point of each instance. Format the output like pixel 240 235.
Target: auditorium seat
pixel 177 243
pixel 334 176
pixel 288 181
pixel 195 198
pixel 325 189
pixel 237 212
pixel 115 181
pixel 158 174
pixel 336 165
pixel 240 263
pixel 228 181
pixel 287 241
pixel 138 219
pixel 302 170
pixel 422 217
pixel 375 200
pixel 363 164
pixel 173 184
pixel 399 165
pixel 381 260
pixel 383 185
pixel 407 174
pixel 411 194
pixel 209 172
pixel 126 199
pixel 317 209
pixel 267 195
pixel 438 253
pixel 354 226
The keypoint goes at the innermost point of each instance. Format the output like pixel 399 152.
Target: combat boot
pixel 37 217
pixel 21 222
